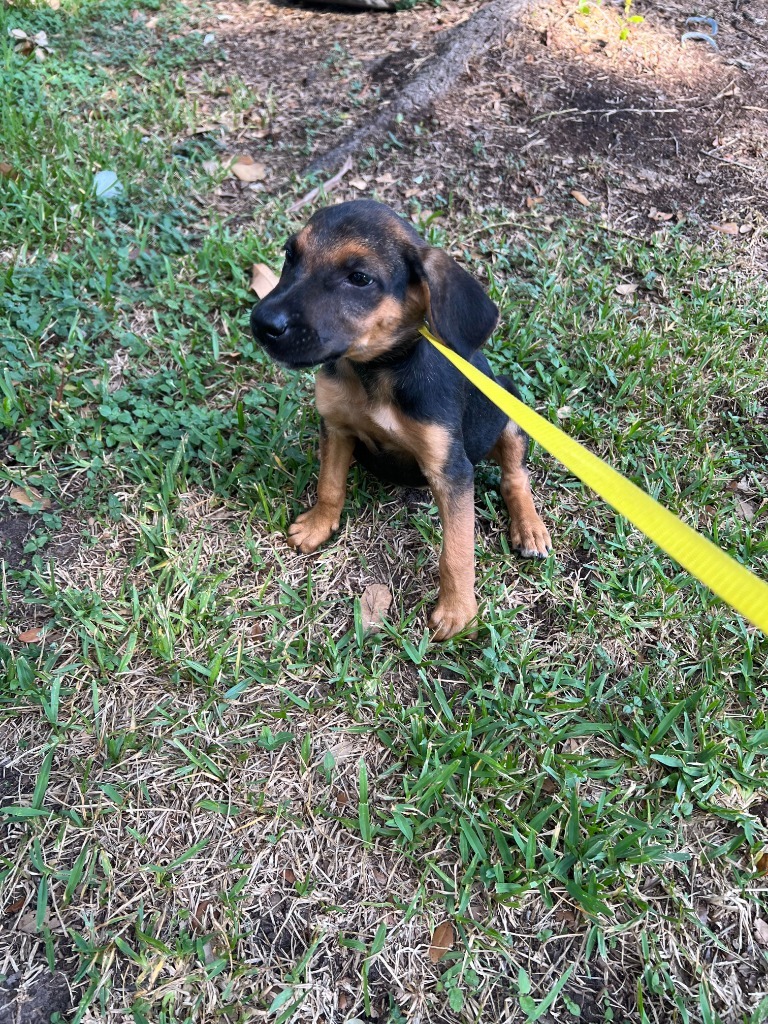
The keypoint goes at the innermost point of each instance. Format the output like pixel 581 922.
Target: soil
pixel 572 98
pixel 14 531
pixel 34 1002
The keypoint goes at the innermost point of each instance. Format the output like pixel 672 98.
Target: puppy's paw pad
pixel 531 539
pixel 311 529
pixel 449 619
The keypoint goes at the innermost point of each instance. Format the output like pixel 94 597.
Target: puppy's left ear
pixel 458 310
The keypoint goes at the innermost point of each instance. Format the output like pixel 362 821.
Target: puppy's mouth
pixel 303 360
pixel 307 364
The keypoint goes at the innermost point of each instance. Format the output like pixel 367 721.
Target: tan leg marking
pixel 314 527
pixel 456 604
pixel 527 532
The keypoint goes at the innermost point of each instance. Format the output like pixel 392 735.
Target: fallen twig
pixel 606 110
pixel 325 187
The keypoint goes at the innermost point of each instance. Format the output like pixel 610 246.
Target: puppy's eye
pixel 359 279
pixel 290 254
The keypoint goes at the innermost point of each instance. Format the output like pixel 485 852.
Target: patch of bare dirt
pixel 35 999
pixel 645 128
pixel 14 531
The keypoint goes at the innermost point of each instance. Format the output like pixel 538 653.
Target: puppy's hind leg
pixel 527 532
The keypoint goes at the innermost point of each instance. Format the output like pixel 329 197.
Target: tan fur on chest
pixel 343 403
pixel 345 406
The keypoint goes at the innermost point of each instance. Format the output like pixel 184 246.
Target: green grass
pixel 595 754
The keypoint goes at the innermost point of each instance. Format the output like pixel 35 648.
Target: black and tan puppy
pixel 357 284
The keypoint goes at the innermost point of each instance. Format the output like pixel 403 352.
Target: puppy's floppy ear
pixel 458 310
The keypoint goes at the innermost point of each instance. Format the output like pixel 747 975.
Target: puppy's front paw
pixel 452 617
pixel 313 528
pixel 530 537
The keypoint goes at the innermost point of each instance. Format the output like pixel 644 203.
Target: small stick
pixel 326 187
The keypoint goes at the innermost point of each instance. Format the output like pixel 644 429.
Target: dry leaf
pixel 16 906
pixel 27 923
pixel 533 201
pixel 564 412
pixel 28 496
pixel 443 939
pixel 247 169
pixel 263 280
pixel 344 1001
pixel 28 44
pixel 737 484
pixel 626 289
pixel 761 863
pixel 746 509
pixel 580 197
pixel 201 129
pixel 289 876
pixel 359 183
pixel 385 179
pixel 6 170
pixel 744 229
pixel 659 215
pixel 421 216
pixel 729 228
pixel 340 797
pixel 566 915
pixel 30 635
pixel 198 915
pixel 761 932
pixel 374 605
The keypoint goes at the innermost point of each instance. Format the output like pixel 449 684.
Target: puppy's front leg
pixel 314 527
pixel 456 604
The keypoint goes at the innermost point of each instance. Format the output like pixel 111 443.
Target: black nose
pixel 270 324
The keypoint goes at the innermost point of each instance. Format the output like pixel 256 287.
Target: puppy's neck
pixel 400 353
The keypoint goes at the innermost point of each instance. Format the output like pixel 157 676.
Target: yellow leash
pixel 728 579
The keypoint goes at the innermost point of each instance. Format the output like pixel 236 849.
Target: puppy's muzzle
pixel 287 338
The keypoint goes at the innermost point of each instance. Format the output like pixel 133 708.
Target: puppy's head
pixel 357 282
